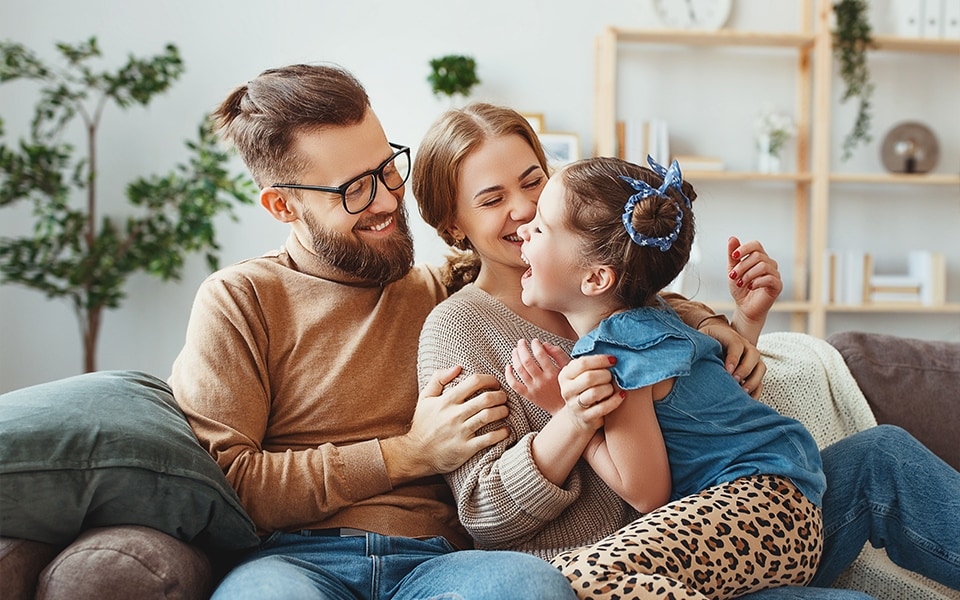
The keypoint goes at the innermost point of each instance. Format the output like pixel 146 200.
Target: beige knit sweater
pixel 291 374
pixel 503 499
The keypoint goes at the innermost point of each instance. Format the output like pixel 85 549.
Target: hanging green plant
pixel 453 74
pixel 851 40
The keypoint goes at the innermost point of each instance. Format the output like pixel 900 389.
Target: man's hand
pixel 444 431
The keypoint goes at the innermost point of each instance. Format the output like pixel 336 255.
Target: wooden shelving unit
pixel 811 177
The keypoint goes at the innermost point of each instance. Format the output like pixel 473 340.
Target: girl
pixel 745 483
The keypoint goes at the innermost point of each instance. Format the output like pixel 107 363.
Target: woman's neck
pixel 504 285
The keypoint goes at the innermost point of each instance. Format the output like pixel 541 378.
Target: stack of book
pixel 850 279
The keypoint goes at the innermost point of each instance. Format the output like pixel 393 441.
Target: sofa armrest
pixel 912 383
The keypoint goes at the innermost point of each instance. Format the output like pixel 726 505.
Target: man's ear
pixel 277 205
pixel 598 280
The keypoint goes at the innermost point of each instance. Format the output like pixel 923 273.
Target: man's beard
pixel 386 261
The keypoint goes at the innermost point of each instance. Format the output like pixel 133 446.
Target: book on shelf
pixel 849 279
pixel 638 138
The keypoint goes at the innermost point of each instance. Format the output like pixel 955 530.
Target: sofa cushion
pixel 110 448
pixel 20 564
pixel 912 383
pixel 127 562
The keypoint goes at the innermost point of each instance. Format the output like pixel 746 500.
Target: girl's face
pixel 500 183
pixel 552 280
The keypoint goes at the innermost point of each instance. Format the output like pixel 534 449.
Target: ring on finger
pixel 580 402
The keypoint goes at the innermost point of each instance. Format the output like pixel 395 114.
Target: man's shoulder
pixel 267 261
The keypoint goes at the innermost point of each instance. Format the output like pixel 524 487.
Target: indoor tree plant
pixel 453 75
pixel 72 251
pixel 852 37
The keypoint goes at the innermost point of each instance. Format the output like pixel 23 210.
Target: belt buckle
pixel 351 532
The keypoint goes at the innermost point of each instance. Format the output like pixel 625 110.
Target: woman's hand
pixel 588 390
pixel 533 371
pixel 741 357
pixel 754 283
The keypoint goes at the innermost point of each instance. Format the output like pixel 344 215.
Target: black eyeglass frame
pixel 378 176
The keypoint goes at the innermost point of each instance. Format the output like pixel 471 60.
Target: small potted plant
pixel 773 131
pixel 453 76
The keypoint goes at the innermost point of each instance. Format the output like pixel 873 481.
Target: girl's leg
pixel 754 533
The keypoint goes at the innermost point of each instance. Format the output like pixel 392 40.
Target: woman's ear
pixel 277 205
pixel 598 280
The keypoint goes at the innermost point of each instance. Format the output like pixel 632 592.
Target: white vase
pixel 767 162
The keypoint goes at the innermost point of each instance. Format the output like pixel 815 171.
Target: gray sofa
pixel 872 378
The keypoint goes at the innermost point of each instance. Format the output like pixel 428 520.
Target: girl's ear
pixel 598 280
pixel 277 205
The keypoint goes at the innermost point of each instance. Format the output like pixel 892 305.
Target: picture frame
pixel 560 148
pixel 535 120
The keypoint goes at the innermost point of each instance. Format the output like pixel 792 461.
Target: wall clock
pixel 693 14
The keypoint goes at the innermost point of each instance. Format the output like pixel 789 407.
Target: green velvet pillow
pixel 110 448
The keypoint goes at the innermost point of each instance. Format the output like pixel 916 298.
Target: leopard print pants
pixel 751 534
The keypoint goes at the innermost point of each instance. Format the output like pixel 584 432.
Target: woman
pixel 477 178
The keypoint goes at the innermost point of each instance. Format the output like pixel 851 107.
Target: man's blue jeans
pixel 885 487
pixel 292 565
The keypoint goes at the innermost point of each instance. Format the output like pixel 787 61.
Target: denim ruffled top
pixel 713 430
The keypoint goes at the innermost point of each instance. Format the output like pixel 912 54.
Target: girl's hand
pixel 588 390
pixel 754 283
pixel 533 371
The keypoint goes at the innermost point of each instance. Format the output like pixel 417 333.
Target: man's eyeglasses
pixel 358 193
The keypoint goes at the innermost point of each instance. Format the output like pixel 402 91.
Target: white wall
pixel 534 55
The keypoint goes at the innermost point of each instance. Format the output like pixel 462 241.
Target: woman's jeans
pixel 305 566
pixel 886 487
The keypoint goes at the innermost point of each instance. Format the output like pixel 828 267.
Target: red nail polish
pixel 623 394
pixel 733 274
pixel 612 359
pixel 736 254
pixel 739 283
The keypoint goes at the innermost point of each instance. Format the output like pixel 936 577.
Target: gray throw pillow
pixel 110 448
pixel 911 383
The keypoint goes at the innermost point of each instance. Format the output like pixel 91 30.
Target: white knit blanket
pixel 808 380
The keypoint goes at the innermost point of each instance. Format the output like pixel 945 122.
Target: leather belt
pixel 335 532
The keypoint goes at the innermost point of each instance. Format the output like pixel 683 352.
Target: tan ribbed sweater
pixel 291 374
pixel 503 499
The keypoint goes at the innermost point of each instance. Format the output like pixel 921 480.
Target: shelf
pixel 895 307
pixel 903 44
pixel 780 306
pixel 723 37
pixel 698 176
pixel 896 178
